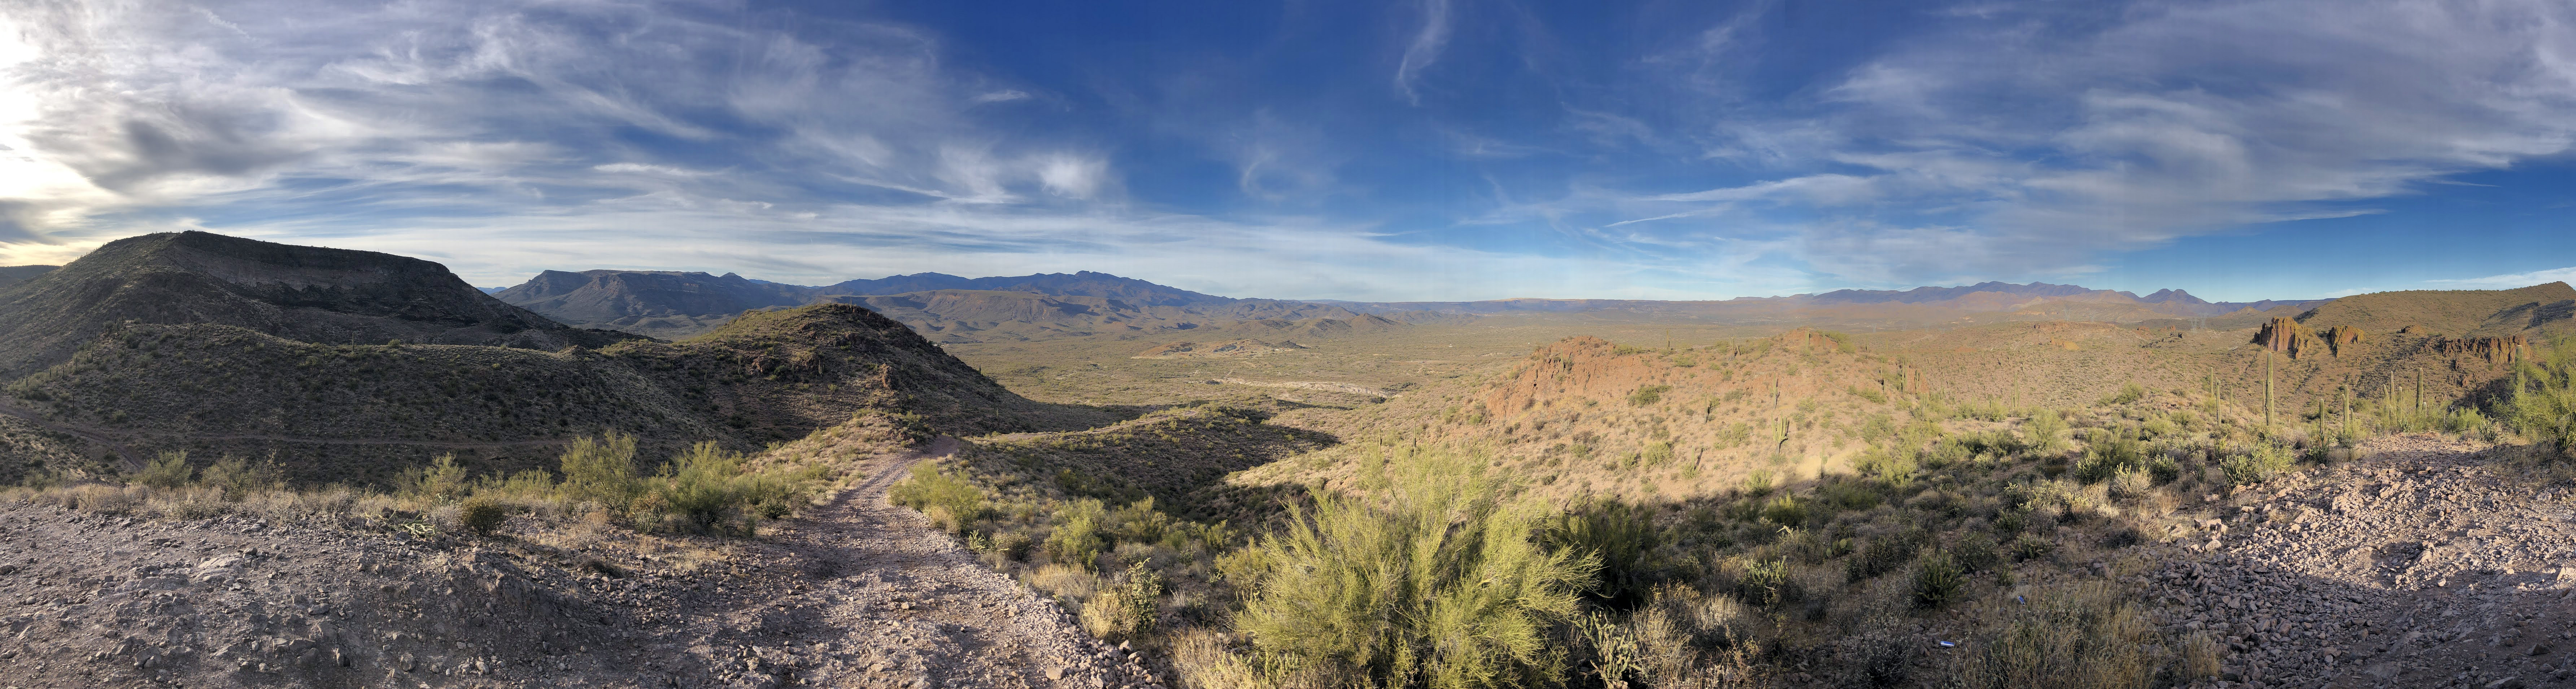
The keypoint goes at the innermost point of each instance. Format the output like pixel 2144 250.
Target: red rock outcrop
pixel 2491 349
pixel 2342 336
pixel 2290 337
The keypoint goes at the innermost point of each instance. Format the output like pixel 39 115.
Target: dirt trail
pixel 903 606
pixel 854 593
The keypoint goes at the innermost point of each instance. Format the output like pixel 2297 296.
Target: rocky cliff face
pixel 2290 337
pixel 2493 350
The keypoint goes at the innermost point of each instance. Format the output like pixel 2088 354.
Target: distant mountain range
pixel 1921 306
pixel 946 307
pixel 950 308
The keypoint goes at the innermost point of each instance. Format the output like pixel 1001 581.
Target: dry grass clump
pixel 2078 636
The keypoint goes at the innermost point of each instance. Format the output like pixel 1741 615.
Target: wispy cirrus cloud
pixel 2025 138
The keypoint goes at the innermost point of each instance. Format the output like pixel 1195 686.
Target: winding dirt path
pixel 899 604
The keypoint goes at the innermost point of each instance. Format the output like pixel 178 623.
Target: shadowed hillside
pixel 308 294
pixel 349 366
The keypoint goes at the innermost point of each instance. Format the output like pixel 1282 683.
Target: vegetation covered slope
pixel 307 294
pixel 359 413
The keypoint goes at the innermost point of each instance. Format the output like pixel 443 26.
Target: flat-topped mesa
pixel 2496 349
pixel 2290 337
pixel 2342 336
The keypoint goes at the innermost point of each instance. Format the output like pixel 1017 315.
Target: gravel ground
pixel 855 593
pixel 2430 563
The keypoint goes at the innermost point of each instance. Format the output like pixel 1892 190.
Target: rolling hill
pixel 226 347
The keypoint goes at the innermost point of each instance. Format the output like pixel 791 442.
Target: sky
pixel 1423 150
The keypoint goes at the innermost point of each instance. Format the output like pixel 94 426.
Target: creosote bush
pixel 1438 580
pixel 949 500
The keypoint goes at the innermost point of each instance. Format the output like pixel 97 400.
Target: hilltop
pixel 362 412
pixel 307 294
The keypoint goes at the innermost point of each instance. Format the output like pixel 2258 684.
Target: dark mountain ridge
pixel 309 294
pixel 11 275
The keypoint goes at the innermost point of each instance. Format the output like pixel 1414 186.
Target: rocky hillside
pixel 11 275
pixel 363 412
pixel 307 294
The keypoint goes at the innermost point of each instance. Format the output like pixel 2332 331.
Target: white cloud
pixel 2039 137
pixel 2510 280
pixel 1424 49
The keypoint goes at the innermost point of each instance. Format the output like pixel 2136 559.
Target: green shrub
pixel 1975 553
pixel 1895 468
pixel 1885 553
pixel 949 500
pixel 170 470
pixel 2043 431
pixel 1785 510
pixel 2031 547
pixel 1077 540
pixel 2265 461
pixel 2085 636
pixel 1758 483
pixel 1618 535
pixel 1656 454
pixel 1938 581
pixel 1767 583
pixel 239 478
pixel 2129 392
pixel 1648 395
pixel 602 470
pixel 1128 610
pixel 2131 484
pixel 483 514
pixel 2164 470
pixel 2543 406
pixel 1440 581
pixel 2112 454
pixel 441 481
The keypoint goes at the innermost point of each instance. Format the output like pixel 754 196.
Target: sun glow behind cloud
pixel 1477 151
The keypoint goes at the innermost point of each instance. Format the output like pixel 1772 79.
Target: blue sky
pixel 1437 149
